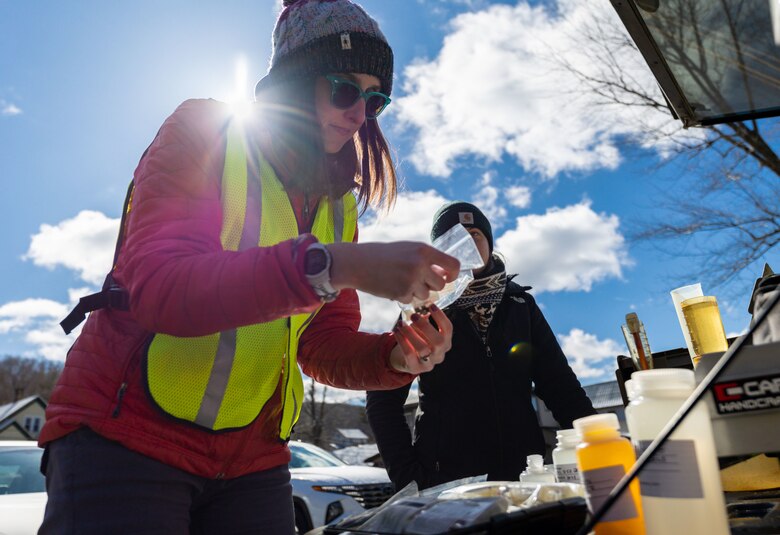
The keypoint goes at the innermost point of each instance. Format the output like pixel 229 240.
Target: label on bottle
pixel 598 484
pixel 673 472
pixel 567 473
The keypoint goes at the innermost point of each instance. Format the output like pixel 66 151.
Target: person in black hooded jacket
pixel 475 414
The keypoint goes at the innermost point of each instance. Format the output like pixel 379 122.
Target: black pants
pixel 97 486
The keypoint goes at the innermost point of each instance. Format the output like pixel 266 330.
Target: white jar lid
pixel 567 437
pixel 560 433
pixel 596 422
pixel 663 380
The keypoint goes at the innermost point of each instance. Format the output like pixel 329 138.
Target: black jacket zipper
pixel 491 363
pixel 120 393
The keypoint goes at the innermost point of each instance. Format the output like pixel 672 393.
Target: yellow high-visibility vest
pixel 223 380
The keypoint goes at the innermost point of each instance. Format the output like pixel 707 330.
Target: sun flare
pixel 238 101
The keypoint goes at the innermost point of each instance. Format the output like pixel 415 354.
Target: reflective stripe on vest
pixel 223 380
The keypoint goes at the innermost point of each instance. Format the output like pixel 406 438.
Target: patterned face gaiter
pixel 483 295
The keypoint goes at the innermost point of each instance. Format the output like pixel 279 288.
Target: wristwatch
pixel 316 264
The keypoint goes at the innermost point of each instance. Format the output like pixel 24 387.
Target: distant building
pixel 340 425
pixel 605 398
pixel 352 436
pixel 365 454
pixel 22 419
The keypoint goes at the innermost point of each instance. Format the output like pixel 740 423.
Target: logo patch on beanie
pixel 346 44
pixel 466 218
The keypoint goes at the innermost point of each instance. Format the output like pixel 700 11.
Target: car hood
pixel 21 514
pixel 342 475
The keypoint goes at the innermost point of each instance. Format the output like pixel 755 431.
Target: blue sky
pixel 479 113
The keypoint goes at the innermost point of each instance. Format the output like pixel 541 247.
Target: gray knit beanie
pixel 317 37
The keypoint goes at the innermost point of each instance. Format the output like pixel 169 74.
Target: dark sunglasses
pixel 345 93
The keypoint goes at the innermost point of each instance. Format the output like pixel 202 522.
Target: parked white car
pixel 325 489
pixel 22 487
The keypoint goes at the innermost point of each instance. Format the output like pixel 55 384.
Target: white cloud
pixel 378 315
pixel 588 356
pixel 488 200
pixel 568 248
pixel 9 109
pixel 20 314
pixel 518 196
pixel 410 219
pixel 37 321
pixel 494 89
pixel 442 7
pixel 84 244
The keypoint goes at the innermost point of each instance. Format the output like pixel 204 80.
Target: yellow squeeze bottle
pixel 603 458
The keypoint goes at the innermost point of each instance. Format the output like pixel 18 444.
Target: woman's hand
pixel 398 270
pixel 421 344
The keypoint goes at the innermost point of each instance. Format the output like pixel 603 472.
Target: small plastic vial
pixel 681 488
pixel 603 458
pixel 535 471
pixel 565 456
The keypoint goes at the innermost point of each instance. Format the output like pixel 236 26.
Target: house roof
pixel 357 454
pixel 13 423
pixel 9 409
pixel 604 395
pixel 354 434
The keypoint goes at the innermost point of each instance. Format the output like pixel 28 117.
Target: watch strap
pixel 320 281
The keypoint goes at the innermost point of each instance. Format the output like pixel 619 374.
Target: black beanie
pixel 464 213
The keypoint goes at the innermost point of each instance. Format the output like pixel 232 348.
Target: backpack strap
pixel 111 295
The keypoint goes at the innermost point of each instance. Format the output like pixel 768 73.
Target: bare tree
pixel 315 412
pixel 22 377
pixel 725 206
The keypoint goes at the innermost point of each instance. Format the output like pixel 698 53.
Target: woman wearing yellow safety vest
pixel 238 260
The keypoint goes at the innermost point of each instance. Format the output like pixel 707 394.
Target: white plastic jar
pixel 680 486
pixel 565 456
pixel 535 471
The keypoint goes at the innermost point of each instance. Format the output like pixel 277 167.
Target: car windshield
pixel 309 456
pixel 20 471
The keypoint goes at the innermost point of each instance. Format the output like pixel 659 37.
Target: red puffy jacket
pixel 182 283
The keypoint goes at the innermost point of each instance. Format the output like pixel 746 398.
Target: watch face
pixel 315 261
